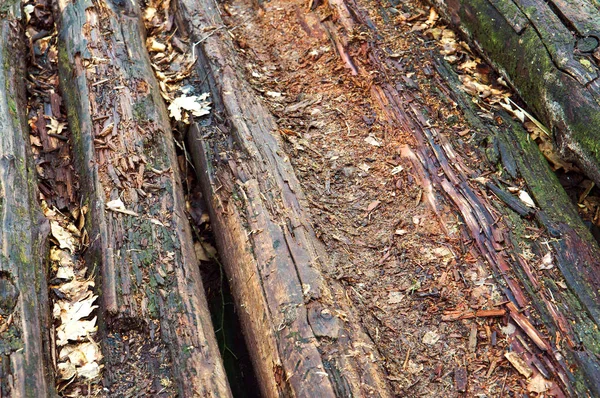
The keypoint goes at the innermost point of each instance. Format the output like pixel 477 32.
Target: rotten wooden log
pixel 303 337
pixel 548 51
pixel 155 324
pixel 566 350
pixel 25 361
pixel 572 314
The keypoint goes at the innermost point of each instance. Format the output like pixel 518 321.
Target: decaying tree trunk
pixel 25 365
pixel 155 320
pixel 302 335
pixel 548 51
pixel 571 316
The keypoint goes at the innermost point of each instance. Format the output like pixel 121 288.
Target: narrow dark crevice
pixel 76 354
pixel 228 329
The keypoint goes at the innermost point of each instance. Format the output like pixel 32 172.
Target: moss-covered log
pixel 304 339
pixel 548 51
pixel 25 364
pixel 155 323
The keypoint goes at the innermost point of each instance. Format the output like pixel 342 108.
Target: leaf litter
pixel 77 357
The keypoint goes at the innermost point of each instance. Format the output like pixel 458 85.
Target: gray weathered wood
pixel 25 364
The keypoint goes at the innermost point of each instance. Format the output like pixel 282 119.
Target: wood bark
pixel 304 339
pixel 154 316
pixel 25 363
pixel 548 51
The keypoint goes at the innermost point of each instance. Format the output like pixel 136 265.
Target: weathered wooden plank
pixel 581 14
pixel 25 361
pixel 512 14
pixel 558 40
pixel 303 336
pixel 154 317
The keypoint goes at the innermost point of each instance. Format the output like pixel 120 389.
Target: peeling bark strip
pixel 556 72
pixel 303 337
pixel 25 364
pixel 155 316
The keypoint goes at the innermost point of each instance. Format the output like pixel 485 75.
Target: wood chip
pixel 519 364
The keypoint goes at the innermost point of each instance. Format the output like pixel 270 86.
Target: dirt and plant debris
pixel 75 347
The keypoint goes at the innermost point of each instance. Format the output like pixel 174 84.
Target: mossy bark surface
pixel 25 362
pixel 545 50
pixel 571 314
pixel 156 329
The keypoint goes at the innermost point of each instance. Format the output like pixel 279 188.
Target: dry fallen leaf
pixel 547 261
pixel 197 105
pixel 524 196
pixel 538 384
pixel 65 239
pixel 431 337
pixel 395 297
pixel 372 141
pixel 118 206
pixel 55 127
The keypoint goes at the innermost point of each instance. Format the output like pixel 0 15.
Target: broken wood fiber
pixel 153 301
pixel 573 314
pixel 25 362
pixel 303 336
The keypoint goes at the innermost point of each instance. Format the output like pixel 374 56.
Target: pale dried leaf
pixel 431 337
pixel 547 262
pixel 538 384
pixel 66 370
pixel 197 105
pixel 89 371
pixel 395 297
pixel 372 141
pixel 65 239
pixel 55 127
pixel 118 206
pixel 525 198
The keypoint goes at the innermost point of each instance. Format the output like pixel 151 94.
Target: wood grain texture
pixel 304 339
pixel 25 364
pixel 153 302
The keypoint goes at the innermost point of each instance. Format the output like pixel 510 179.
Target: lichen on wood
pixel 25 362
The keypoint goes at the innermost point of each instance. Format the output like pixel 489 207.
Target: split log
pixel 155 323
pixel 565 349
pixel 303 337
pixel 548 51
pixel 25 361
pixel 572 314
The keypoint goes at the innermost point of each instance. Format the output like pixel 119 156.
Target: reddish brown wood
pixel 304 338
